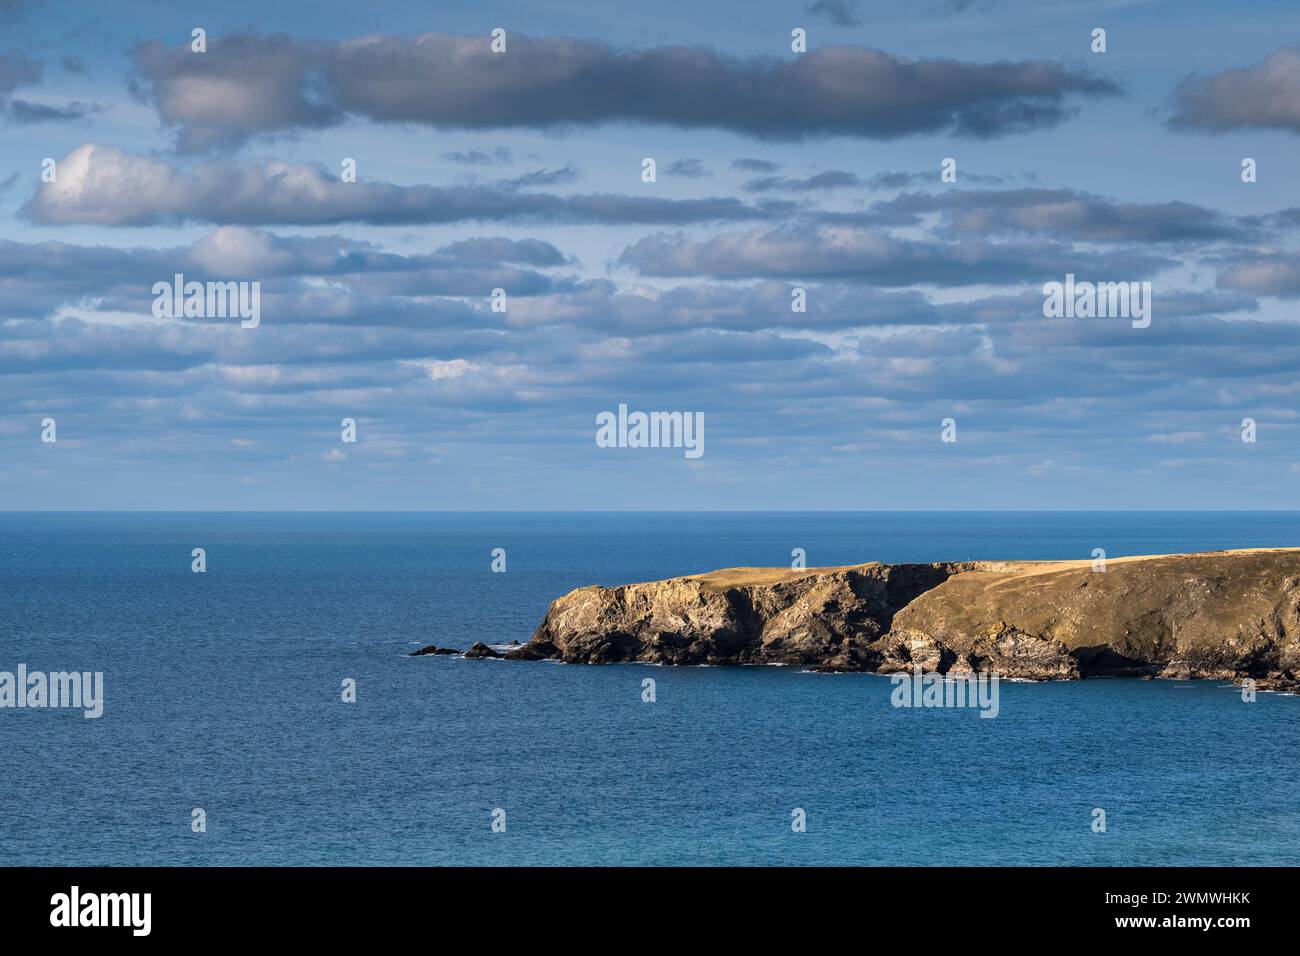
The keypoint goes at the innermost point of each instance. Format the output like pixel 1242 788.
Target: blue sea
pixel 223 692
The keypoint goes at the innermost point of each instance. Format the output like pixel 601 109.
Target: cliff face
pixel 1218 615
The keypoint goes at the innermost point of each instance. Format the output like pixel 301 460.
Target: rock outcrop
pixel 1223 615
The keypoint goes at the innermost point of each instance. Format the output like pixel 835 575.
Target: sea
pixel 266 711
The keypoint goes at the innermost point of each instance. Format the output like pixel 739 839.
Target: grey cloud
pixel 833 90
pixel 72 268
pixel 467 267
pixel 367 285
pixel 534 252
pixel 1212 303
pixel 250 84
pixel 74 344
pixel 602 306
pixel 1036 360
pixel 688 168
pixel 765 305
pixel 819 182
pixel 896 180
pixel 1197 347
pixel 102 185
pixel 874 258
pixel 1079 378
pixel 1262 273
pixel 1263 96
pixel 755 165
pixel 242 85
pixel 697 345
pixel 542 177
pixel 479 157
pixel 1010 309
pixel 19 70
pixel 842 13
pixel 1062 212
pixel 901 180
pixel 24 112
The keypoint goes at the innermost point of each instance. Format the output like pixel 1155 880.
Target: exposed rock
pixel 1280 681
pixel 533 651
pixel 479 649
pixel 433 649
pixel 1223 615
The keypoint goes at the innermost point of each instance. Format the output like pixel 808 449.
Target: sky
pixel 127 157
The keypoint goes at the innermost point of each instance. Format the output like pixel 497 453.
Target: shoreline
pixel 1213 615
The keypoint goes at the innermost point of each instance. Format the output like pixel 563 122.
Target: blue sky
pixel 522 171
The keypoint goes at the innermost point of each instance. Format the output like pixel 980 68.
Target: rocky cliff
pixel 1223 615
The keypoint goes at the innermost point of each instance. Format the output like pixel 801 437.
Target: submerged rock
pixel 433 649
pixel 1223 615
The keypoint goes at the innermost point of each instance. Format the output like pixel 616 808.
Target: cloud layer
pixel 799 272
pixel 245 85
pixel 104 185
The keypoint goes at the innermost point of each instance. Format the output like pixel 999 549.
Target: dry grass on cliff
pixel 726 578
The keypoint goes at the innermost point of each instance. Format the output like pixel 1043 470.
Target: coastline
pixel 1214 615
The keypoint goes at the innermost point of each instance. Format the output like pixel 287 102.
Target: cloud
pixel 534 252
pixel 242 85
pixel 248 85
pixel 1264 96
pixel 1065 213
pixel 900 179
pixel 919 306
pixel 102 185
pixel 24 112
pixel 605 307
pixel 819 182
pixel 873 258
pixel 18 70
pixel 755 165
pixel 353 328
pixel 479 157
pixel 542 177
pixel 1262 273
pixel 305 279
pixel 842 13
pixel 688 168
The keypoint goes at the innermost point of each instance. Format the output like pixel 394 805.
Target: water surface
pixel 223 693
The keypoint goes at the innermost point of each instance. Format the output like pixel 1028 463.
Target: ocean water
pixel 222 692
